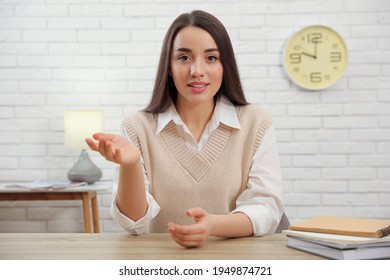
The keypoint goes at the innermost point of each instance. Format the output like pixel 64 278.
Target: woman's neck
pixel 196 117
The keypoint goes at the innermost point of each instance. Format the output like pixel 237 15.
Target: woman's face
pixel 195 66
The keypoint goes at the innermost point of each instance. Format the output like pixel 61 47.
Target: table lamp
pixel 81 124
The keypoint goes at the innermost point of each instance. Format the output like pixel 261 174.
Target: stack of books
pixel 341 237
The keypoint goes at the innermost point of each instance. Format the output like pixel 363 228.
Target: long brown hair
pixel 165 92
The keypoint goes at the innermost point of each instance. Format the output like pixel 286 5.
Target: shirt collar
pixel 224 112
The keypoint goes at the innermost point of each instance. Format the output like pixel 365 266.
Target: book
pixel 333 251
pixel 46 185
pixel 345 226
pixel 337 240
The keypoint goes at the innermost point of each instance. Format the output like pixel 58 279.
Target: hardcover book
pixel 345 226
pixel 336 251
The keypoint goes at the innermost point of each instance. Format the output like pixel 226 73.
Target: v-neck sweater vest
pixel 212 179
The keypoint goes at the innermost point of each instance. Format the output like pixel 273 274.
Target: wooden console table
pixel 87 194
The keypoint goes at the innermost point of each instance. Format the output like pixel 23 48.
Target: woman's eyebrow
pixel 212 50
pixel 190 51
pixel 183 50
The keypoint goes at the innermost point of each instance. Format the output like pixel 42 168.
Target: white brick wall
pixel 61 54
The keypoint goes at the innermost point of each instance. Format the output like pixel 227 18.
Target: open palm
pixel 114 148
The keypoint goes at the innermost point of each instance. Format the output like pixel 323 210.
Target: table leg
pixel 87 213
pixel 95 214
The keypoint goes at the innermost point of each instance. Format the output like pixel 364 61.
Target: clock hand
pixel 309 55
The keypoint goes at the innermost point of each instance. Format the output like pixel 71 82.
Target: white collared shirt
pixel 261 201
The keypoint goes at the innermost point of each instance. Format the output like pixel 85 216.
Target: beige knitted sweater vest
pixel 181 179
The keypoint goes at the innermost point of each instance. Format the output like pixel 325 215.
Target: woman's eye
pixel 184 58
pixel 212 58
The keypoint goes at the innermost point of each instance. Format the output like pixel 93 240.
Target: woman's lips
pixel 198 87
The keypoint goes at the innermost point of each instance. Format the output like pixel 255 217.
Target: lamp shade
pixel 81 124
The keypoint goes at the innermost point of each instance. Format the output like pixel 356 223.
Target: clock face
pixel 315 57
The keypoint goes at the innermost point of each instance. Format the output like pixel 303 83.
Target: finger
pixel 194 229
pixel 184 243
pixel 97 135
pixel 91 144
pixel 187 240
pixel 109 149
pixel 117 155
pixel 196 212
pixel 187 235
pixel 171 227
pixel 102 146
pixel 199 237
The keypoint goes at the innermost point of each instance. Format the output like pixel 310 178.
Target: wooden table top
pixel 99 187
pixel 119 246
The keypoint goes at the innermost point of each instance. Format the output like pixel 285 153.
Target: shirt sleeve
pixel 140 226
pixel 262 200
pixel 135 227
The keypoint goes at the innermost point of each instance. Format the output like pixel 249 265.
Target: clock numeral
pixel 295 58
pixel 315 77
pixel 297 48
pixel 335 56
pixel 314 37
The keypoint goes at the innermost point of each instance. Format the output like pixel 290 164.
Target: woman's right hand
pixel 114 148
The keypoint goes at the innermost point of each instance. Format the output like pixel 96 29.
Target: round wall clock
pixel 315 57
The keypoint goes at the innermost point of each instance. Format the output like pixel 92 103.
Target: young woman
pixel 199 160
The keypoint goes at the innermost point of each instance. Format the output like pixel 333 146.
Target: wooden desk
pixel 115 246
pixel 86 194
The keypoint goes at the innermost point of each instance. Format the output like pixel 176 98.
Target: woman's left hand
pixel 192 235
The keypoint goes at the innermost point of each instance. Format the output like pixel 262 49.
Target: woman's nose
pixel 197 68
